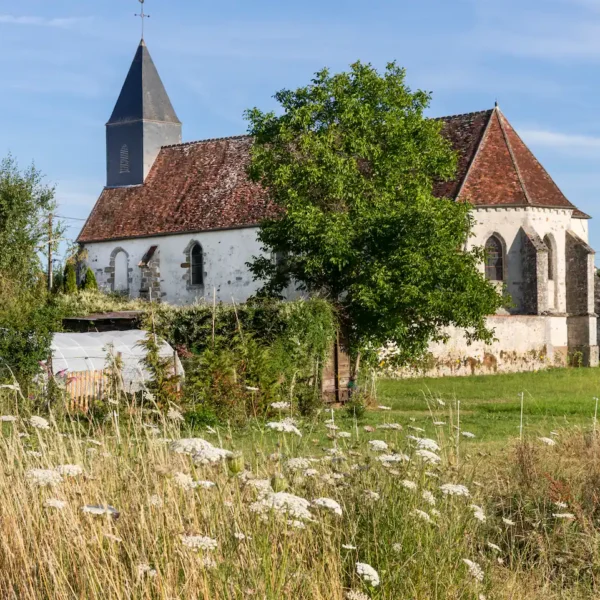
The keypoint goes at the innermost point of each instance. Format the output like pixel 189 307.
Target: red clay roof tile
pixel 201 186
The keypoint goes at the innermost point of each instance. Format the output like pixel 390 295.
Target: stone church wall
pixel 525 343
pixel 225 256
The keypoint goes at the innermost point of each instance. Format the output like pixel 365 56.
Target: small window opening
pixel 494 259
pixel 197 265
pixel 124 159
pixel 550 258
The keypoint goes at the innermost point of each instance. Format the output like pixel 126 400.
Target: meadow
pixel 405 501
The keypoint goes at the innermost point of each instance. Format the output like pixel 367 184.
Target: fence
pixel 84 387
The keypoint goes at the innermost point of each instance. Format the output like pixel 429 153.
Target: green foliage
pixel 351 162
pixel 89 281
pixel 70 279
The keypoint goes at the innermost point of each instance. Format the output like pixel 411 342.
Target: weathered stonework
pixel 534 272
pixel 150 288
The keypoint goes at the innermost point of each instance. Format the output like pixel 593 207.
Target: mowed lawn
pixel 490 405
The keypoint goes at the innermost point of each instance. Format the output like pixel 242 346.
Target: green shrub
pixel 70 279
pixel 89 281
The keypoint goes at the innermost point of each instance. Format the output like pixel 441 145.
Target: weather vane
pixel 142 16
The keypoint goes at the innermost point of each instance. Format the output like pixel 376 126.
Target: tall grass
pixel 395 515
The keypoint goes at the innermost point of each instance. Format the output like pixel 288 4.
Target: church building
pixel 178 222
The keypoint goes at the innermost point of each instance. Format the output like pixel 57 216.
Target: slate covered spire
pixel 142 121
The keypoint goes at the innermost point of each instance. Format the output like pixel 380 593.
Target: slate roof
pixel 143 96
pixel 201 186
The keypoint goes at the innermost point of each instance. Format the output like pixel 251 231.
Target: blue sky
pixel 63 64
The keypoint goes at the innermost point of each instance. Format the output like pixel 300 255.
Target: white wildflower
pixel 421 514
pixel 494 547
pixel 100 509
pixel 467 434
pixel 184 481
pixel 39 422
pixel 381 407
pixel 199 542
pixel 397 548
pixel 69 470
pixel 548 441
pixel 175 415
pixel 283 503
pixel 452 489
pixel 417 429
pixel 262 486
pixel 566 516
pixel 241 536
pixel 280 405
pixel 344 434
pixel 205 485
pixel 474 569
pixel 356 595
pixel 428 497
pixel 378 445
pixel 440 402
pixel 54 503
pixel 208 562
pixel 34 454
pixel 332 426
pixel 113 538
pixel 478 513
pixel 8 419
pixel 372 496
pixel 439 423
pixel 146 570
pixel 310 473
pixel 43 477
pixel 409 485
pixel 367 573
pixel 348 547
pixel 428 457
pixel 284 427
pixel 329 504
pixel 508 522
pixel 251 388
pixel 203 452
pixel 561 505
pixel 151 429
pixel 297 464
pixel 296 524
pixel 425 443
pixel 435 512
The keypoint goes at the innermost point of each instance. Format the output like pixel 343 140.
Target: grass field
pixel 490 405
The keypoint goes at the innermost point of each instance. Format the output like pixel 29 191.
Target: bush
pixel 70 279
pixel 89 282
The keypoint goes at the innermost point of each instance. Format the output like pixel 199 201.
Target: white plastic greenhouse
pixel 76 353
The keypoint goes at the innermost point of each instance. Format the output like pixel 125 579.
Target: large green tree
pixel 350 162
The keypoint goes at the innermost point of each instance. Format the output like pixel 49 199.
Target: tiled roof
pixel 203 186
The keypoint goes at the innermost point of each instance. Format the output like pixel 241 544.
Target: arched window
pixel 197 265
pixel 121 271
pixel 494 259
pixel 124 159
pixel 548 243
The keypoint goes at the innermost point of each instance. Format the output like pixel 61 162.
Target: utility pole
pixel 50 241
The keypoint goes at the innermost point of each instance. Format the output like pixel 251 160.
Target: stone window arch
pixel 194 264
pixel 119 264
pixel 495 258
pixel 124 159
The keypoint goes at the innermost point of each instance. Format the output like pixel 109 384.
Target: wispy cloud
pixel 62 23
pixel 570 143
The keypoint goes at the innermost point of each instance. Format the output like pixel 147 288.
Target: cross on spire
pixel 142 15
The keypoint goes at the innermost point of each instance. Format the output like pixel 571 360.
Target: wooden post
pixel 50 274
pixel 336 366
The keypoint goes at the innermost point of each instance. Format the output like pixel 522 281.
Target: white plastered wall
pixel 225 252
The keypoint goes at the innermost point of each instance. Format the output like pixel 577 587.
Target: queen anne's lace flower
pixel 372 496
pixel 43 477
pixel 425 443
pixel 453 489
pixel 367 573
pixel 69 470
pixel 54 503
pixel 467 434
pixel 348 547
pixel 392 426
pixel 388 459
pixel 297 464
pixel 284 427
pixel 329 504
pixel 478 513
pixel 155 500
pixel 175 415
pixel 566 516
pixel 202 452
pixel 548 441
pixel 428 497
pixel 283 503
pixel 378 445
pixel 381 407
pixel 184 481
pixel 100 509
pixel 428 457
pixel 409 485
pixel 508 521
pixel 199 542
pixel 421 514
pixel 280 405
pixel 344 434
pixel 39 422
pixel 474 569
pixel 494 547
pixel 8 419
pixel 356 595
pixel 146 570
pixel 561 505
pixel 310 473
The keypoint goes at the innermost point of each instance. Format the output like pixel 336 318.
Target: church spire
pixel 142 121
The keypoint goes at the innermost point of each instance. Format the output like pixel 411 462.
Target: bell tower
pixel 142 121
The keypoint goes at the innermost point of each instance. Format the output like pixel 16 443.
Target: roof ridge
pixel 512 157
pixel 477 150
pixel 216 139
